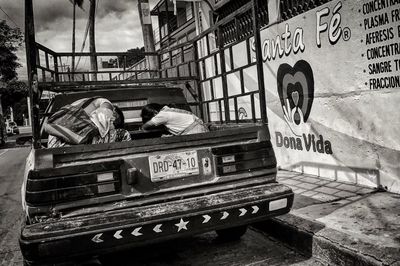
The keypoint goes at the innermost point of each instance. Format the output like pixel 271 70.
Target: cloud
pixel 114 32
pixel 116 7
pixel 117 24
pixel 53 23
pixel 49 11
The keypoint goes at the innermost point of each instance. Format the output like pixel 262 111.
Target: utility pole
pixel 2 84
pixel 73 37
pixel 148 37
pixel 31 56
pixel 1 107
pixel 92 41
pixel 28 102
pixel 11 114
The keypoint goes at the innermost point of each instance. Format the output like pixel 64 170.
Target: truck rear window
pixel 131 109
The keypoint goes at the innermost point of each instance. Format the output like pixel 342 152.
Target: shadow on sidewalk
pixel 340 223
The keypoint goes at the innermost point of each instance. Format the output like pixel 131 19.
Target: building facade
pixel 331 79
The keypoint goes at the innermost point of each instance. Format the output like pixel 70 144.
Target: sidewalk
pixel 338 223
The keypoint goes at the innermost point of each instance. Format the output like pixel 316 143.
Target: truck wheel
pixel 233 233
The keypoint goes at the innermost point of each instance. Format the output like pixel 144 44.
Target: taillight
pixel 244 158
pixel 73 183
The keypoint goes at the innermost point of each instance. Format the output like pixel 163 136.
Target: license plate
pixel 174 165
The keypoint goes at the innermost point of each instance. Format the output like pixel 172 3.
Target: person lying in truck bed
pixel 177 121
pixel 89 120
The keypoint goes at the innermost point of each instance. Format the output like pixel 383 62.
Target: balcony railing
pixel 291 8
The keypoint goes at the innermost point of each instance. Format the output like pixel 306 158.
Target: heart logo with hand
pixel 296 93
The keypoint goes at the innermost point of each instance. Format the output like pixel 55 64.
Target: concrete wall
pixel 333 105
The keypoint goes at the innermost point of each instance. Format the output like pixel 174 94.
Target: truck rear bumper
pixel 110 231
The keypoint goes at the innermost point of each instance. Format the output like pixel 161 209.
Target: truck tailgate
pixel 87 175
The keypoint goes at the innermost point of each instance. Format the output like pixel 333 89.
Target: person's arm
pixel 159 119
pixel 149 125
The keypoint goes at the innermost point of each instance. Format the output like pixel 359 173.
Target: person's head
pixel 119 121
pixel 149 111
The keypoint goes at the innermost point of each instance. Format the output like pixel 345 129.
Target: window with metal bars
pixel 292 8
pixel 288 9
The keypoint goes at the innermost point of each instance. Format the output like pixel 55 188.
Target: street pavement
pixel 255 248
pixel 12 163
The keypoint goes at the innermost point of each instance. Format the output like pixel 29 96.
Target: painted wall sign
pixel 332 77
pixel 382 31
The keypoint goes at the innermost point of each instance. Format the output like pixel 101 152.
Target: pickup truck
pixel 85 200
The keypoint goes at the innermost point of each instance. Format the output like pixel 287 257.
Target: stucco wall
pixel 340 124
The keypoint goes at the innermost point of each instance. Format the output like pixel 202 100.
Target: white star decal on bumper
pixel 182 225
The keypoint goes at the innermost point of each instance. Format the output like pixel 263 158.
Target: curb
pixel 327 245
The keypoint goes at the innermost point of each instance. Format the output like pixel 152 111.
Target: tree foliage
pixel 14 95
pixel 10 41
pixel 77 2
pixel 134 56
pixel 20 111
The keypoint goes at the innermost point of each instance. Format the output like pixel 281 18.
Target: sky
pixel 117 25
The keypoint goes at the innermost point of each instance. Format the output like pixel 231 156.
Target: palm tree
pixel 92 44
pixel 75 3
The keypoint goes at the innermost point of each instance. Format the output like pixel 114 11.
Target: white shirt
pixel 175 120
